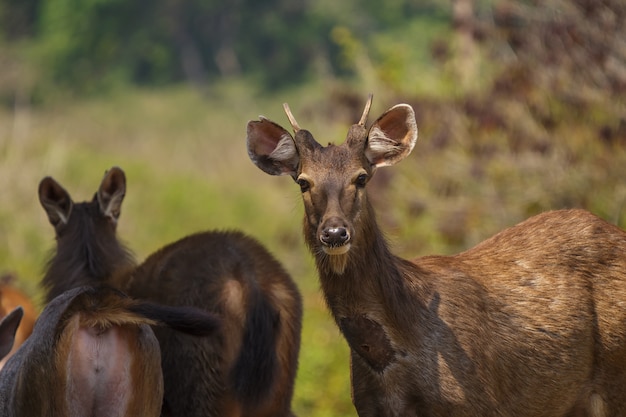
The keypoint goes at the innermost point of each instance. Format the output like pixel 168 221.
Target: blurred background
pixel 520 106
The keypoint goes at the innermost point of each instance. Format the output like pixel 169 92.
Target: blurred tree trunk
pixel 466 51
pixel 228 26
pixel 191 62
pixel 191 59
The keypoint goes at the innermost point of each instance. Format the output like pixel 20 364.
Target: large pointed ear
pixel 8 327
pixel 272 148
pixel 55 200
pixel 111 193
pixel 392 136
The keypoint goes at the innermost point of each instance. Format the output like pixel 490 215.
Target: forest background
pixel 520 106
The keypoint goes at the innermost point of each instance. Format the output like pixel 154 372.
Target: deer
pixel 249 367
pixel 92 353
pixel 12 297
pixel 531 322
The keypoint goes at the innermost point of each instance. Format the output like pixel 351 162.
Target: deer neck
pixel 84 261
pixel 368 277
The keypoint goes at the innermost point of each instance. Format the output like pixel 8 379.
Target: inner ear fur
pixel 272 148
pixel 392 136
pixel 111 193
pixel 55 200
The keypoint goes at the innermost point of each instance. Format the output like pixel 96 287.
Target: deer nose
pixel 335 236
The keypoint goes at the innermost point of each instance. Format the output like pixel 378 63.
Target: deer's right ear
pixel 55 200
pixel 272 148
pixel 111 193
pixel 8 327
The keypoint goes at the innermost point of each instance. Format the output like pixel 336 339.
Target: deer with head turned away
pixel 529 323
pixel 249 367
pixel 92 353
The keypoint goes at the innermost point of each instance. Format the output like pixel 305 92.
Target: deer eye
pixel 304 184
pixel 361 180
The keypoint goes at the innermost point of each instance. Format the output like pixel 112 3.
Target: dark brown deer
pixel 250 368
pixel 10 298
pixel 531 322
pixel 92 353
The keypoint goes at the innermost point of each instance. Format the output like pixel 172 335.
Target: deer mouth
pixel 336 250
pixel 335 240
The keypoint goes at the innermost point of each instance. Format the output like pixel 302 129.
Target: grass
pixel 185 159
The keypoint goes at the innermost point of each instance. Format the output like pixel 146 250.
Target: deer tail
pixel 186 319
pixel 257 364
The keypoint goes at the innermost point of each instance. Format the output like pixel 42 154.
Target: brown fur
pixel 220 271
pixel 249 369
pixel 531 322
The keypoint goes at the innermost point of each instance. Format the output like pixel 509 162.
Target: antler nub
pixel 292 119
pixel 366 111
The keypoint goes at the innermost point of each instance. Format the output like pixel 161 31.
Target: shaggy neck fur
pixel 84 256
pixel 367 273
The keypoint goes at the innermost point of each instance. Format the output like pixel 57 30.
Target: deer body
pixel 249 367
pixel 531 322
pixel 251 370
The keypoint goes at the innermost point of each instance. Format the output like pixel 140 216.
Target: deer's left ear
pixel 111 193
pixel 392 136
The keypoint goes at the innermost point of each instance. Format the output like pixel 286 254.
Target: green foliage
pixel 90 46
pixel 93 44
pixel 403 56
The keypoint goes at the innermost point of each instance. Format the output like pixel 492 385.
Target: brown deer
pixel 92 353
pixel 531 322
pixel 250 368
pixel 10 298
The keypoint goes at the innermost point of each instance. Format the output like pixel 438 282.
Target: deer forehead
pixel 334 163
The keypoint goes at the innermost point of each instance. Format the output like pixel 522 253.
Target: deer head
pixel 88 250
pixel 333 178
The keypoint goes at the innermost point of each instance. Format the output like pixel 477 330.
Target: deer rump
pixel 89 355
pixel 250 369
